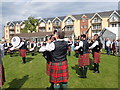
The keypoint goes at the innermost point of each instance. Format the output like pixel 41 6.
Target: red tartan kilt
pixel 69 49
pixel 48 68
pixel 22 52
pixel 83 60
pixel 96 57
pixel 2 75
pixel 59 72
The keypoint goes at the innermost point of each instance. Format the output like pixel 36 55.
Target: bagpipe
pixel 81 49
pixel 98 47
pixel 46 54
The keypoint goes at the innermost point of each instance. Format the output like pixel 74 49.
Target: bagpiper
pixel 83 60
pixel 58 64
pixel 96 47
pixel 22 49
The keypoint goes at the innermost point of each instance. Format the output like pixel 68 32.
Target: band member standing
pixel 2 75
pixel 23 48
pixel 6 46
pixel 58 65
pixel 96 53
pixel 83 60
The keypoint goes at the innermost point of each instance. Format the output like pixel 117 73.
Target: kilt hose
pixel 22 52
pixel 59 72
pixel 2 75
pixel 83 60
pixel 96 57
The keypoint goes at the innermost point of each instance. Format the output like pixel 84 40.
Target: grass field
pixel 33 73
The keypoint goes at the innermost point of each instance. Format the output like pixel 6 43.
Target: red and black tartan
pixel 59 72
pixel 2 75
pixel 83 60
pixel 48 65
pixel 22 52
pixel 96 57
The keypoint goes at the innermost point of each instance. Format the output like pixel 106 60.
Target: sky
pixel 21 10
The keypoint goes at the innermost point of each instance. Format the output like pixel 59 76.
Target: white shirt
pixel 80 45
pixel 49 46
pixel 108 43
pixel 2 50
pixel 94 44
pixel 20 45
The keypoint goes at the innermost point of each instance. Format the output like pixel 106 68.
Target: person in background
pixel 113 45
pixel 108 45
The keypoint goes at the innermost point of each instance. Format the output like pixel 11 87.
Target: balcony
pixel 96 22
pixel 12 32
pixel 69 24
pixel 56 25
pixel 113 21
pixel 97 28
pixel 11 27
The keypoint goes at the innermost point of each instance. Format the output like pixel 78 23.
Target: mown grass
pixel 33 73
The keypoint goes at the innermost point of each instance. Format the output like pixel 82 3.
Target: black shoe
pixel 81 77
pixel 85 77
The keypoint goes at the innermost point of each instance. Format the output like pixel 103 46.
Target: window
pixel 98 26
pixel 114 25
pixel 6 36
pixel 49 28
pixel 114 18
pixel 69 28
pixel 49 23
pixel 69 21
pixel 56 22
pixel 83 20
pixel 6 31
pixel 96 20
pixel 17 30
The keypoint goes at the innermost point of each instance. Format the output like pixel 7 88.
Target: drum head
pixel 15 41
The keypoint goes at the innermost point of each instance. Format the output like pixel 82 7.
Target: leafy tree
pixel 30 24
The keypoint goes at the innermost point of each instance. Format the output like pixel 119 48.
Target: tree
pixel 30 24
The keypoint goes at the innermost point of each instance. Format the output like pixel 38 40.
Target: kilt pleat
pixel 22 52
pixel 59 72
pixel 48 65
pixel 2 75
pixel 83 60
pixel 96 57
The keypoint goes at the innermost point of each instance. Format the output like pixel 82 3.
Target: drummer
pixel 23 48
pixel 7 47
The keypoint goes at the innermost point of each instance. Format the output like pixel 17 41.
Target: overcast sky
pixel 14 11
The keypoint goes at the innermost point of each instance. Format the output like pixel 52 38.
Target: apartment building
pixel 74 25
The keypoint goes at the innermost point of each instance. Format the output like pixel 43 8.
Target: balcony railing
pixel 69 23
pixel 115 20
pixel 12 32
pixel 96 21
pixel 11 27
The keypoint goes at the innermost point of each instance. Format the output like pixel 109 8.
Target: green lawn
pixel 33 73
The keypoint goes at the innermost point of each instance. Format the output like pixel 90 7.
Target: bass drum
pixel 15 41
